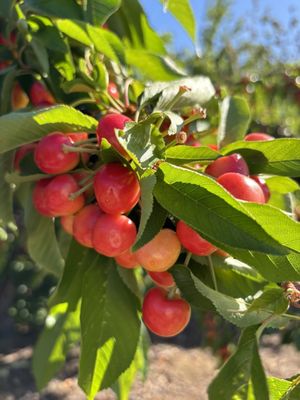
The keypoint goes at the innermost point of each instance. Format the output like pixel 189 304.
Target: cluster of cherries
pixel 93 206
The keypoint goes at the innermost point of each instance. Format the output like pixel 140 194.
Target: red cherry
pixel 106 129
pixel 50 157
pixel 163 279
pixel 117 189
pixel 192 241
pixel 161 252
pixel 127 259
pixel 113 90
pixel 165 317
pixel 263 186
pixel 21 153
pixel 57 193
pixel 222 253
pixel 77 136
pixel 113 234
pixel 258 137
pixel 67 223
pixel 192 141
pixel 213 146
pixel 39 95
pixel 84 223
pixel 232 163
pixel 242 187
pixel 39 199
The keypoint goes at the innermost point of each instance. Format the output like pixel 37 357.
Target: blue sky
pixel 280 9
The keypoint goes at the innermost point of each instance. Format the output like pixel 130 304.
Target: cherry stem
pixel 212 272
pixel 72 149
pixel 115 103
pixel 87 178
pixel 74 195
pixel 182 90
pixel 192 118
pixel 187 259
pixel 172 292
pixel 16 178
pixel 87 100
pixel 86 141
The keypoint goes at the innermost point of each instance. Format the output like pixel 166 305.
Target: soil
pixel 175 373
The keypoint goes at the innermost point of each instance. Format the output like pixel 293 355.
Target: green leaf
pixel 153 215
pixel 109 327
pixel 282 184
pixel 219 217
pixel 161 94
pixel 41 55
pixel 6 191
pixel 98 11
pixel 54 8
pixel 271 299
pixel 128 276
pixel 41 240
pixel 234 120
pixel 6 7
pixel 242 366
pixel 276 157
pixel 20 128
pixel 143 142
pixel 6 90
pixel 179 155
pixel 61 331
pixel 183 12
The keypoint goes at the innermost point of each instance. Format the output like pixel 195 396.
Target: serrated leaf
pixel 54 8
pixel 108 343
pixel 180 155
pixel 271 299
pixel 234 120
pixel 210 210
pixel 20 128
pixel 61 331
pixel 276 157
pixel 282 184
pixel 98 11
pixel 6 191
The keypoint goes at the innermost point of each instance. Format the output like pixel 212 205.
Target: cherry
pixel 222 253
pixel 78 136
pixel 39 95
pixel 67 223
pixel 192 241
pixel 50 157
pixel 113 234
pixel 263 186
pixel 127 259
pixel 39 199
pixel 232 163
pixel 57 194
pixel 256 136
pixel 242 187
pixel 163 279
pixel 19 98
pixel 21 153
pixel 161 252
pixel 84 223
pixel 113 90
pixel 106 129
pixel 117 189
pixel 192 141
pixel 163 316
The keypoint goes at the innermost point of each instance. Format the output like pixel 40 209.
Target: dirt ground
pixel 174 373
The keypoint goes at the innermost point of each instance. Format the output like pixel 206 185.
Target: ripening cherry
pixel 113 90
pixel 77 136
pixel 258 137
pixel 263 186
pixel 163 279
pixel 19 98
pixel 242 187
pixel 127 259
pixel 21 153
pixel 67 223
pixel 222 253
pixel 161 252
pixel 192 241
pixel 57 194
pixel 106 129
pixel 50 156
pixel 163 316
pixel 39 199
pixel 117 188
pixel 113 234
pixel 232 163
pixel 84 223
pixel 40 96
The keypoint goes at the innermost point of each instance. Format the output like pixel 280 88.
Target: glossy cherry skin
pixel 67 223
pixel 263 186
pixel 57 193
pixel 242 187
pixel 232 163
pixel 258 137
pixel 113 90
pixel 127 259
pixel 163 279
pixel 50 157
pixel 40 96
pixel 192 241
pixel 106 129
pixel 117 188
pixel 77 136
pixel 161 252
pixel 84 223
pixel 113 234
pixel 162 316
pixel 39 199
pixel 21 153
